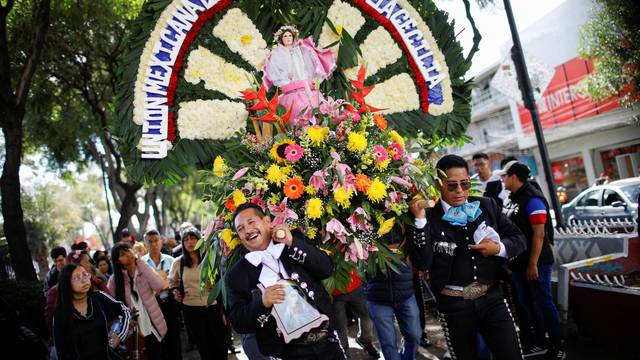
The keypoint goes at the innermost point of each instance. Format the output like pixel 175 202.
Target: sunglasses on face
pixel 453 185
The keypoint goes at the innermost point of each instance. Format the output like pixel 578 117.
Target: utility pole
pixel 529 102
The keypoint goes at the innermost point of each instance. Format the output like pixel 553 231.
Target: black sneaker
pixel 369 348
pixel 556 354
pixel 534 351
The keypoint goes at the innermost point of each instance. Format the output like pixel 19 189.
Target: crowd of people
pixel 485 261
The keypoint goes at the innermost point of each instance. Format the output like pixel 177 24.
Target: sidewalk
pixel 578 348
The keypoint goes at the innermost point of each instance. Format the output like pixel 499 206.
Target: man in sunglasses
pixel 465 242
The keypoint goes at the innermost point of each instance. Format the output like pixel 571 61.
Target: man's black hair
pixel 82 245
pixel 151 232
pixel 480 155
pixel 256 208
pixel 507 159
pixel 451 161
pixel 57 251
pixel 520 170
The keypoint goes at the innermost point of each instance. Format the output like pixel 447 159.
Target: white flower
pixel 211 119
pixel 396 94
pixel 216 72
pixel 379 49
pixel 342 16
pixel 242 37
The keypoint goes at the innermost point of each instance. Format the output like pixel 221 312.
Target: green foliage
pixel 611 39
pixel 77 79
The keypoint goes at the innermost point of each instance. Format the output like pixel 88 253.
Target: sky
pixel 493 26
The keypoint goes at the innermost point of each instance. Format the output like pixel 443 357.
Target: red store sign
pixel 562 102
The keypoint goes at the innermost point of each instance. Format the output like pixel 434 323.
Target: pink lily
pixel 401 181
pixel 358 220
pixel 356 251
pixel 240 173
pixel 282 213
pixel 317 180
pixel 348 179
pixel 335 228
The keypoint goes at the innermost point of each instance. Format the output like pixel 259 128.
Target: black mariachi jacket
pixel 246 311
pixel 445 250
pixel 515 210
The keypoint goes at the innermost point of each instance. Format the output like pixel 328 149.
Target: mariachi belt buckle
pixel 474 291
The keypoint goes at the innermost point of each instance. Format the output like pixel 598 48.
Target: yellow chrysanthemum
pixel 382 165
pixel 396 137
pixel 317 135
pixel 228 216
pixel 342 197
pixel 315 208
pixel 310 190
pixel 357 142
pixel 276 175
pixel 377 191
pixel 386 226
pixel 277 150
pixel 219 166
pixel 238 197
pixel 312 232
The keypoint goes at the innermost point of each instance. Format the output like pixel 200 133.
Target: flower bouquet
pixel 344 179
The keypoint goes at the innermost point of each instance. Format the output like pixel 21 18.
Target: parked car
pixel 615 200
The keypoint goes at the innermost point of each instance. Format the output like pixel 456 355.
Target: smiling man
pixel 465 242
pixel 275 255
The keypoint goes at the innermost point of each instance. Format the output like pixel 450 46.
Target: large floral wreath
pixel 345 181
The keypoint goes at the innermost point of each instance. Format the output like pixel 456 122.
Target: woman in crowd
pixel 134 282
pixel 103 268
pixel 81 257
pixel 81 316
pixel 205 322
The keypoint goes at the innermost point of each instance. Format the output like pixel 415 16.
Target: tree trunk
pixel 12 213
pixel 128 207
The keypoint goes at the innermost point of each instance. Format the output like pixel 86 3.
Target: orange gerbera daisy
pixel 362 182
pixel 294 188
pixel 380 121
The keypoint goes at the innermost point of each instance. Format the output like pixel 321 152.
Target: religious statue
pixel 295 66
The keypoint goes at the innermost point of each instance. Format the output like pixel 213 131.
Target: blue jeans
pixel 408 316
pixel 537 301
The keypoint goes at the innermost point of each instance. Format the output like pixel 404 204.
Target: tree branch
pixel 41 25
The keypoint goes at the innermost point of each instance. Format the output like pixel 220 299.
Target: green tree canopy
pixel 611 38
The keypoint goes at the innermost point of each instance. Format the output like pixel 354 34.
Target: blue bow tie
pixel 460 215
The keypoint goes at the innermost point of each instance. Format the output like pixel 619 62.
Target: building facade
pixel 586 139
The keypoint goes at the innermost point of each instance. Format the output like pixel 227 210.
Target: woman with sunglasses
pixel 465 241
pixel 134 282
pixel 80 329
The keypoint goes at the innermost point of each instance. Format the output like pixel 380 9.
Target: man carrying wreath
pixel 281 268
